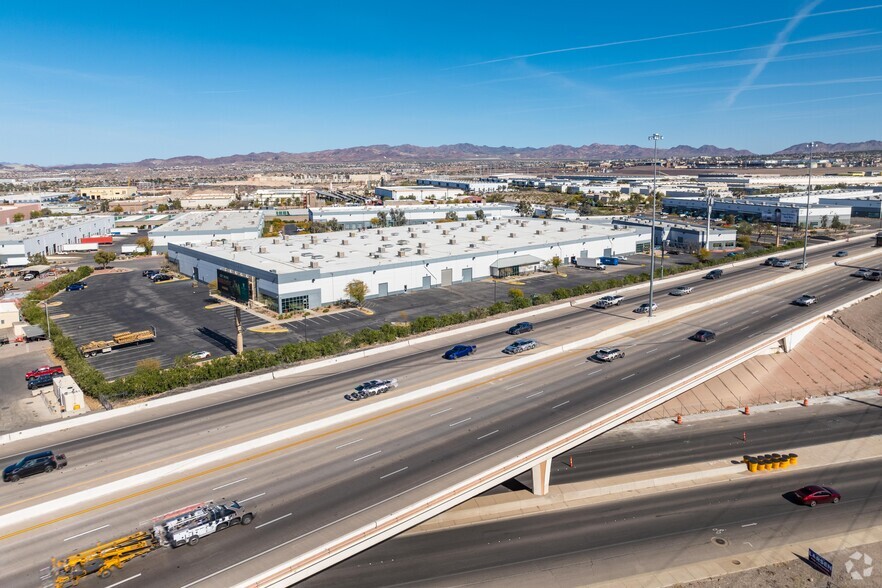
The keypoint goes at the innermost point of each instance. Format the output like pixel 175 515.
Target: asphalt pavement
pixel 315 488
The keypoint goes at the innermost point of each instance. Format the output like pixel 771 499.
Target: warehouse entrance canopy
pixel 514 266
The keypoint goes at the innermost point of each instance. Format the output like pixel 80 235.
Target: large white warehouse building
pixel 306 271
pixel 48 235
pixel 204 227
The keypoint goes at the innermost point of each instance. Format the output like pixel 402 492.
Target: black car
pixel 149 273
pixel 704 336
pixel 714 274
pixel 161 278
pixel 45 461
pixel 42 381
pixel 520 328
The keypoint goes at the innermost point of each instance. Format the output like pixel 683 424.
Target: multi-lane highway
pixel 308 490
pixel 581 546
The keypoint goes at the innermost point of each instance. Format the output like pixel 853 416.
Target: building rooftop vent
pixel 313 264
pixel 485 238
pixel 261 249
pixel 295 259
pixel 512 235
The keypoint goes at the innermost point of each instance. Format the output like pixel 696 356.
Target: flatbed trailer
pixel 119 341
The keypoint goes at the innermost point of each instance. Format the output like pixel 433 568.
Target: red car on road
pixel 46 370
pixel 812 495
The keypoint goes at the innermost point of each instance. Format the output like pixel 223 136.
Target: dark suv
pixel 45 461
pixel 520 328
pixel 42 381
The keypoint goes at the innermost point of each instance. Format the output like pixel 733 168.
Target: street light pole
pixel 655 138
pixel 808 206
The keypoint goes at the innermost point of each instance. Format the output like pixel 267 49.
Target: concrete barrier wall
pixel 333 552
pixel 91 418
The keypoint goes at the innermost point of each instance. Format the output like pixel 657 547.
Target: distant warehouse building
pixel 48 235
pixel 204 227
pixel 466 185
pixel 359 217
pixel 416 193
pixel 306 271
pixel 108 192
pixel 765 209
pixel 680 236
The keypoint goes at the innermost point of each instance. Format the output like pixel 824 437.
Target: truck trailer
pixel 119 341
pixel 590 263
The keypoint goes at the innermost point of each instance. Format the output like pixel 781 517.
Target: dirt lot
pixel 799 573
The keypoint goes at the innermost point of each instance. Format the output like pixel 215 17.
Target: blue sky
pixel 95 81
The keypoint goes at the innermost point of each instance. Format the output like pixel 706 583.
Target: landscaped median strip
pixel 457 332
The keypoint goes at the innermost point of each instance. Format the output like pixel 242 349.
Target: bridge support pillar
pixel 541 477
pixel 791 340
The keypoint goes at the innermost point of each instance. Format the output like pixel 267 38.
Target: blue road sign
pixel 820 563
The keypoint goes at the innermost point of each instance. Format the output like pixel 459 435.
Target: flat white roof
pixel 42 226
pixel 360 247
pixel 216 220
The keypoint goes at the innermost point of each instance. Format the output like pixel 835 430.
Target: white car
pixel 609 300
pixel 199 355
pixel 608 354
pixel 681 291
pixel 644 308
pixel 805 300
pixel 862 273
pixel 374 387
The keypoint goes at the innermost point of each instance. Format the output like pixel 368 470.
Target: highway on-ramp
pixel 311 489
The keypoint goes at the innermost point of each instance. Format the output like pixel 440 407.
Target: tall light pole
pixel 655 138
pixel 808 205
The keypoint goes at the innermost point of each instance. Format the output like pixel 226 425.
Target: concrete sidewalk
pixel 592 492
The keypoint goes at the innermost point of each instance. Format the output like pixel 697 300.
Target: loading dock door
pixel 383 288
pixel 427 281
pixel 466 274
pixel 446 277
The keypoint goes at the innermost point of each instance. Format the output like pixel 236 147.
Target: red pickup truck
pixel 45 370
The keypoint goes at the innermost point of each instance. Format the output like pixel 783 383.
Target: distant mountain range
pixel 468 151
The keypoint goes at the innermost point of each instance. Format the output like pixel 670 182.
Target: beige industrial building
pixel 108 192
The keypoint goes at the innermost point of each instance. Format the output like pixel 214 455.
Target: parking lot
pixel 19 409
pixel 118 302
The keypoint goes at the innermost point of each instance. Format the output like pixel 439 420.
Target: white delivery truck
pixel 590 263
pixel 188 525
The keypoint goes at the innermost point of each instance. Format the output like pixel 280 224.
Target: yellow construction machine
pixel 102 558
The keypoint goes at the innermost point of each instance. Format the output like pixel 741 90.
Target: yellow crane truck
pixel 102 558
pixel 120 340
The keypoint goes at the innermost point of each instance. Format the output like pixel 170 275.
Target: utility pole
pixel 655 138
pixel 808 206
pixel 710 206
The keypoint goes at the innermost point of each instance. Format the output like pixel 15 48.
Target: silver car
pixel 805 300
pixel 608 354
pixel 681 291
pixel 644 308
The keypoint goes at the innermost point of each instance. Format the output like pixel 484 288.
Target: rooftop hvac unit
pixel 485 238
pixel 313 239
pixel 473 230
pixel 512 235
pixel 523 223
pixel 261 249
pixel 275 241
pixel 344 242
pixel 401 253
pixel 364 236
pixel 413 235
pixel 425 230
pixel 375 255
pixel 295 259
pixel 584 227
pixel 402 241
pixel 304 245
pixel 421 251
pixel 422 245
pixel 379 249
pixel 384 238
pixel 318 256
pixel 351 233
pixel 473 245
pixel 313 264
pixel 538 232
pixel 445 232
pixel 545 222
pixel 341 254
pixel 563 230
pixel 452 242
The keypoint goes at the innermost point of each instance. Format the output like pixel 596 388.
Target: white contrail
pixel 659 37
pixel 780 42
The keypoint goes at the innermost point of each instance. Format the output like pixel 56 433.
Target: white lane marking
pixel 251 497
pixel 724 324
pixel 488 434
pixel 752 335
pixel 626 377
pixel 441 411
pixel 459 422
pixel 673 358
pixel 536 393
pixel 774 315
pixel 368 455
pixel 749 525
pixel 229 484
pixel 515 386
pixel 274 520
pixel 393 473
pixel 559 405
pixel 743 328
pixel 124 581
pixel 87 532
pixel 651 350
pixel 595 372
pixel 348 444
pixel 754 312
pixel 580 363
